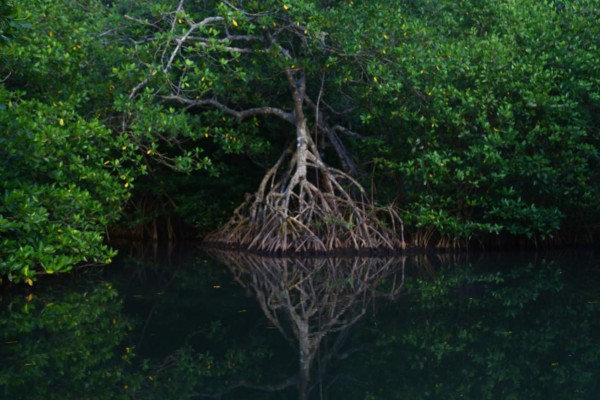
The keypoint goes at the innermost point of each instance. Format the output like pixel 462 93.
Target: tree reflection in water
pixel 493 327
pixel 308 299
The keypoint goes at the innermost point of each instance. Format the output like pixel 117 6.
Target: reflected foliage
pixel 65 342
pixel 197 331
pixel 525 332
pixel 175 325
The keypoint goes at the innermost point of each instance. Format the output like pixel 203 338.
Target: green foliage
pixel 10 22
pixel 482 117
pixel 487 118
pixel 61 188
pixel 73 140
pixel 491 117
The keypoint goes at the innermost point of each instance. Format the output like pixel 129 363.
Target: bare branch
pixel 242 10
pixel 341 113
pixel 138 87
pixel 205 43
pixel 139 21
pixel 177 10
pixel 181 40
pixel 348 132
pixel 247 38
pixel 286 116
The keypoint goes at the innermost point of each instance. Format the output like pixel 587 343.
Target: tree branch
pixel 348 132
pixel 181 40
pixel 204 43
pixel 278 112
pixel 139 21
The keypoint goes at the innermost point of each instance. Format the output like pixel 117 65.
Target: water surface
pixel 178 323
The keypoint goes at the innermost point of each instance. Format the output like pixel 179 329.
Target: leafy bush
pixel 494 127
pixel 61 187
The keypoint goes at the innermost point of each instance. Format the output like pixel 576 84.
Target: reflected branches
pixel 307 299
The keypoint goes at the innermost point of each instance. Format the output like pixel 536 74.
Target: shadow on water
pixel 175 323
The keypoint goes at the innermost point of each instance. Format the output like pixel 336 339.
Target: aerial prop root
pixel 309 207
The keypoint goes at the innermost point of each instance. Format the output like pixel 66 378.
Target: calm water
pixel 180 324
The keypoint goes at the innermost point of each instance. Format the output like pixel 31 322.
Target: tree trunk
pixel 308 206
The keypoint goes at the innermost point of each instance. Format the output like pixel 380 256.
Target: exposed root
pixel 309 208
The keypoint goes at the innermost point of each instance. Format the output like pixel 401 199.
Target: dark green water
pixel 181 324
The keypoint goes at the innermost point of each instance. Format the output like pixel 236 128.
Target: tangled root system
pixel 309 207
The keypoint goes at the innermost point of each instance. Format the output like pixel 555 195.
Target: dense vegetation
pixel 478 119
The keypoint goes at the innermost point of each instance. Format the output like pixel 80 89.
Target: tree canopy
pixel 477 120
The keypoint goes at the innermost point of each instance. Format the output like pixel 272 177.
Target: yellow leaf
pixel 126 184
pixel 61 122
pixel 286 7
pixel 29 297
pixel 234 22
pixel 149 151
pixel 375 79
pixel 29 282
